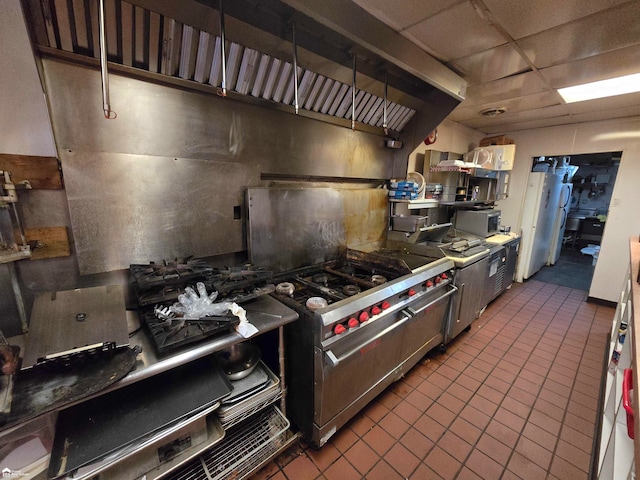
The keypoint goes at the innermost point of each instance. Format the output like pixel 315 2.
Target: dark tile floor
pixel 514 398
pixel 573 269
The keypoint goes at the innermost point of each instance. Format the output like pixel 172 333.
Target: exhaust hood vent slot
pixel 152 42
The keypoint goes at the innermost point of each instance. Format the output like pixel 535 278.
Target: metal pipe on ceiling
pixel 106 101
pixel 353 96
pixel 384 111
pixel 223 90
pixel 295 67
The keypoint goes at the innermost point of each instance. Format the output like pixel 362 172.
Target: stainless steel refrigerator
pixel 542 200
pixel 566 189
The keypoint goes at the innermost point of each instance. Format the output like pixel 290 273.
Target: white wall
pixel 623 220
pixel 24 123
pixel 452 137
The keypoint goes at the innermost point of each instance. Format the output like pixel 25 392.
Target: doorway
pixel 580 234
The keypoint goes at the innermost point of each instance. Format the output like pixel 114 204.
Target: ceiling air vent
pixel 492 111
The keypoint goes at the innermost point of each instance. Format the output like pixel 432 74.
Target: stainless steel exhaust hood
pixel 181 42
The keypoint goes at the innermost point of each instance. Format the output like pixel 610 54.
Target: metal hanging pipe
pixel 223 51
pixel 384 110
pixel 353 96
pixel 106 103
pixel 295 68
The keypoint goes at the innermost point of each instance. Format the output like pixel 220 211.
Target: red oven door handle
pixel 453 290
pixel 627 387
pixel 334 360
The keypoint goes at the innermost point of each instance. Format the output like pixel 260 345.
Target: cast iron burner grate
pixel 178 333
pixel 161 284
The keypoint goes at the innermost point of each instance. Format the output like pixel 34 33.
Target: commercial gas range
pixel 365 320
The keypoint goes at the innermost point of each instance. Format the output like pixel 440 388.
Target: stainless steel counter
pixel 265 313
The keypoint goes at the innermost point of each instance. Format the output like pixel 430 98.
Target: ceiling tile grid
pixel 514 54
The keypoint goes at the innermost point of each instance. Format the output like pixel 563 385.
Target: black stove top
pixel 160 284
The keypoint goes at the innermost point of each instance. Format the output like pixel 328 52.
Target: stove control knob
pixel 444 276
pixel 376 310
pixel 438 279
pixel 429 284
pixel 412 292
pixel 385 305
pixel 338 329
pixel 364 316
pixel 353 323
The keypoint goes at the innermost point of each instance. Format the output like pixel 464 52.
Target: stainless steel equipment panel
pixel 290 228
pixel 75 319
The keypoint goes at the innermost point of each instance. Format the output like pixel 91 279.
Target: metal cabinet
pixel 467 304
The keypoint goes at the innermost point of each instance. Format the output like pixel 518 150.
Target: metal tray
pixel 98 427
pixel 232 413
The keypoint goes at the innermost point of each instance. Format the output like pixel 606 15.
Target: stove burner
pixel 285 288
pixel 351 290
pixel 321 278
pixel 378 279
pixel 314 303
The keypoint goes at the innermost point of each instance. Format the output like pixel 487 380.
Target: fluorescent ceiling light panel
pixel 601 89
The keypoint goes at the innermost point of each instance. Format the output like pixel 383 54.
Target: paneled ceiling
pixel 514 54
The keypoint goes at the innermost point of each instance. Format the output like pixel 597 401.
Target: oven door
pixel 425 329
pixel 352 370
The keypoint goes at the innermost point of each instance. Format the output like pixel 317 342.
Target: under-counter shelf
pixel 245 449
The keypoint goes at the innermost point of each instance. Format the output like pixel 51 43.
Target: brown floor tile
pixel 468 382
pixel 553 411
pixel 545 422
pixel 343 439
pixel 362 457
pixel 361 424
pixel 441 415
pixel 442 463
pixel 402 460
pixel 324 456
pixel 417 443
pixel 502 432
pixel 483 466
pixel 409 413
pixel 376 411
pixel 378 439
pixel 465 430
pixel 460 392
pixel 454 445
pixel 394 425
pixel 429 428
pixel 573 455
pixel 483 404
pixel 578 439
pixel 423 472
pixel 510 419
pixel 451 403
pixel 566 471
pixel 466 474
pixel 340 470
pixel 475 417
pixel 540 436
pixel 494 449
pixel 423 396
pixel 301 467
pixel 535 452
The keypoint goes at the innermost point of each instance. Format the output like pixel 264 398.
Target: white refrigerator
pixel 560 224
pixel 539 215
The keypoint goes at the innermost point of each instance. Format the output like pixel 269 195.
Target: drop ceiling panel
pixel 611 30
pixel 599 67
pixel 500 90
pixel 401 14
pixel 506 120
pixel 522 19
pixel 631 111
pixel 489 65
pixel 518 126
pixel 514 106
pixel 455 33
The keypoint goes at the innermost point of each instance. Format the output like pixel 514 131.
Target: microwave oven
pixel 482 223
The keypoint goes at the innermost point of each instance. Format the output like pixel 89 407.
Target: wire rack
pixel 245 447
